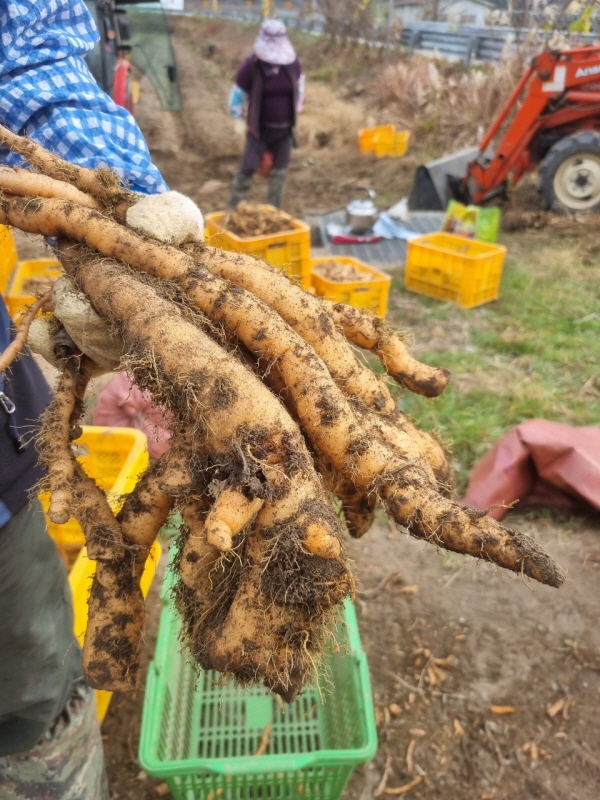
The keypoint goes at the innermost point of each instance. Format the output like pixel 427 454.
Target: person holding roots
pixel 50 742
pixel 269 86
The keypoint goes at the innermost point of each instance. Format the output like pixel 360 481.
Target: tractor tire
pixel 570 174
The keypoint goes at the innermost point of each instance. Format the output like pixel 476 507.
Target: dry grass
pixel 445 104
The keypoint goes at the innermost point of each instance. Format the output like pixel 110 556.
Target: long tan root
pixel 271 414
pixel 55 449
pixel 102 184
pixel 20 339
pixel 306 314
pixel 32 184
pixel 372 333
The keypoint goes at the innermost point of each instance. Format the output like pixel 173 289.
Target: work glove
pixel 239 127
pixel 171 218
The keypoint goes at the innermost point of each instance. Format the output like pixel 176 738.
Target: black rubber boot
pixel 277 178
pixel 239 189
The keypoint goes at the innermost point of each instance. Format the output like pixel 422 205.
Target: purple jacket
pixel 272 93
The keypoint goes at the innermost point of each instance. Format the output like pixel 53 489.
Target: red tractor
pixel 555 127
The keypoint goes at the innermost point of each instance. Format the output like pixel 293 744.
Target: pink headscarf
pixel 272 44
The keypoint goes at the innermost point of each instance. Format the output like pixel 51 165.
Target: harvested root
pixel 248 220
pixel 372 333
pixel 230 514
pixel 271 415
pixel 306 314
pixel 20 340
pixel 101 184
pixel 339 272
pixel 23 183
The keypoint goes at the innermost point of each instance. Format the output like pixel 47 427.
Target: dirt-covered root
pixel 8 355
pixel 275 628
pixel 358 506
pixel 445 523
pixel 116 606
pixel 24 183
pixel 145 510
pixel 103 184
pixel 410 443
pixel 257 611
pixel 55 447
pixel 72 492
pixel 306 314
pixel 205 584
pixel 228 516
pixel 251 441
pixel 196 555
pixel 433 449
pixel 226 401
pixel 112 645
pixel 229 402
pixel 372 333
pixel 320 403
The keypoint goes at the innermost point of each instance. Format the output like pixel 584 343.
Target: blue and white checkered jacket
pixel 48 93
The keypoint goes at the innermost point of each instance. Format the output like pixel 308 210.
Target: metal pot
pixel 362 213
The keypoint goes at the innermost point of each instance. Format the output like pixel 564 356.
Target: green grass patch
pixel 533 353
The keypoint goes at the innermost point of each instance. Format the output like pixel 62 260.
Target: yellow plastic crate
pixel 371 294
pixel 391 144
pixel 18 293
pixel 366 137
pixel 8 257
pixel 449 267
pixel 288 250
pixel 80 581
pixel 115 458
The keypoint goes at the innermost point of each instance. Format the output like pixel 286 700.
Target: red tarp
pixel 541 463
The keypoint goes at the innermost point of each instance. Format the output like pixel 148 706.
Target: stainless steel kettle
pixel 362 213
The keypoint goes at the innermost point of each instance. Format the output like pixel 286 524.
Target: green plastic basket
pixel 201 738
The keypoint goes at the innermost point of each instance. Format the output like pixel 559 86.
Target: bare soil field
pixel 486 687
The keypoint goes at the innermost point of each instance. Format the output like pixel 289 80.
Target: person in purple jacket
pixel 270 85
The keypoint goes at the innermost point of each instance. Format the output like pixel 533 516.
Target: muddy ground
pixel 448 640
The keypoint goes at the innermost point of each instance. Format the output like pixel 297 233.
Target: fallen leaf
pixel 433 679
pixel 458 728
pixel 439 675
pixel 534 753
pixel 414 590
pixel 449 661
pixel 500 710
pixel 410 751
pixel 553 709
pixel 404 789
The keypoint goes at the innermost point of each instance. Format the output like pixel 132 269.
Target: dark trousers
pixel 278 141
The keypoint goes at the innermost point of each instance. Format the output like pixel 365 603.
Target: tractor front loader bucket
pixel 438 181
